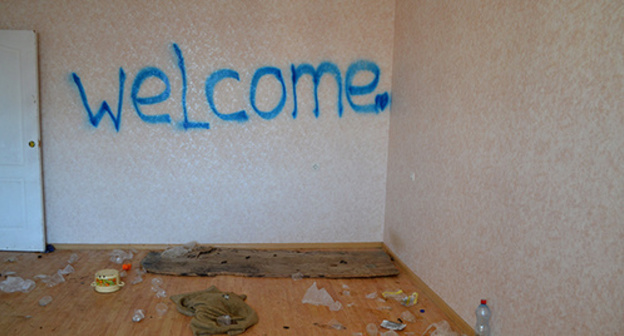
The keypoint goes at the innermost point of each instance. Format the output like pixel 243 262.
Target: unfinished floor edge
pixel 264 246
pixel 438 301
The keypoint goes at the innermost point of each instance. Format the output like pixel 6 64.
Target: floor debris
pixel 320 297
pixel 441 328
pixel 44 301
pixel 209 305
pixel 17 284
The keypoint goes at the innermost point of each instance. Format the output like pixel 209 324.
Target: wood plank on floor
pixel 272 263
pixel 77 309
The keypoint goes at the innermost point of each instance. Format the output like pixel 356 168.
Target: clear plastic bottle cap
pixel 138 316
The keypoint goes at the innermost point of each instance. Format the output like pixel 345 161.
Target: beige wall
pixel 262 181
pixel 509 115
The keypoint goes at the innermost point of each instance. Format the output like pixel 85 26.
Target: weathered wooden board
pixel 213 261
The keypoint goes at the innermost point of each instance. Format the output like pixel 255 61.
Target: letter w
pixel 104 108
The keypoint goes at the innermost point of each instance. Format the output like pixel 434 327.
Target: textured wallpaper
pixel 200 137
pixel 506 160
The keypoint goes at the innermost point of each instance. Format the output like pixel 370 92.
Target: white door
pixel 21 193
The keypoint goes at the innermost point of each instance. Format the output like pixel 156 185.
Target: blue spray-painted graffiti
pixel 104 109
pixel 316 79
pixel 211 82
pixel 380 103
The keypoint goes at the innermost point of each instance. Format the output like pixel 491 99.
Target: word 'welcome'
pixel 352 90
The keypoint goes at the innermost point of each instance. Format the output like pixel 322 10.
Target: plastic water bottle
pixel 483 319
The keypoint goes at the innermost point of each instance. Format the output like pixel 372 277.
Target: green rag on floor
pixel 208 305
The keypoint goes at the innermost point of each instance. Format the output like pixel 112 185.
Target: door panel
pixel 21 194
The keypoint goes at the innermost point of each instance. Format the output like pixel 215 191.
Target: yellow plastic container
pixel 107 281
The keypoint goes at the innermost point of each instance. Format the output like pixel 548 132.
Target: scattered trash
pixel 53 280
pixel 410 300
pixel 178 251
pixel 406 300
pixel 441 328
pixel 407 316
pixel 207 305
pixel 320 297
pixel 11 259
pixel 156 289
pixel 371 329
pixel 333 324
pixel 67 270
pixel 49 248
pixel 161 309
pixel 297 276
pixel 138 276
pixel 357 334
pixel 346 291
pixel 44 301
pixel 7 273
pixel 336 306
pixel 384 308
pixel 174 252
pixel 16 284
pixel 336 325
pixel 483 312
pixel 137 279
pixel 224 320
pixel 160 292
pixel 57 278
pixel 138 316
pixel 397 295
pixel 392 325
pixel 107 281
pixel 72 258
pixel 372 295
pixel 119 256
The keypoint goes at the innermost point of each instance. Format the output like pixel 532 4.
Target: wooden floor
pixel 77 309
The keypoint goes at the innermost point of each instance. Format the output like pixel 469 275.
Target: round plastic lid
pixel 483 301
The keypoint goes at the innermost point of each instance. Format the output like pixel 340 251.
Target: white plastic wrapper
pixel 392 325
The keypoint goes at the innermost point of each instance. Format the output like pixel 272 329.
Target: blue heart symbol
pixel 381 101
